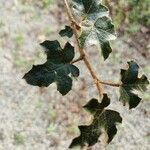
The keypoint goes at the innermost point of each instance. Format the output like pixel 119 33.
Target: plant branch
pixel 108 3
pixel 78 59
pixel 82 53
pixel 111 83
pixel 71 18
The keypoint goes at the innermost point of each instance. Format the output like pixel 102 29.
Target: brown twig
pixel 111 83
pixel 108 3
pixel 78 59
pixel 82 53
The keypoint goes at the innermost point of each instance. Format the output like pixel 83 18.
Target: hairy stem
pixel 82 53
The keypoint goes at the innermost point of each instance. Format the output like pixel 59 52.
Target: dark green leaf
pixel 68 53
pixel 104 122
pixel 66 32
pixel 64 84
pixel 56 69
pixel 106 49
pixel 93 105
pixel 74 71
pixel 130 82
pixel 96 26
pixel 53 50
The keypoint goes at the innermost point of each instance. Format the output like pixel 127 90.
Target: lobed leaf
pixel 130 82
pixel 88 9
pixel 66 32
pixel 104 122
pixel 96 25
pixel 56 69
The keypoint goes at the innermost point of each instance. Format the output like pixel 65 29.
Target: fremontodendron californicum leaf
pixel 104 122
pixel 130 82
pixel 56 69
pixel 96 25
pixel 66 32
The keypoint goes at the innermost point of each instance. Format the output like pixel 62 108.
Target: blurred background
pixel 41 119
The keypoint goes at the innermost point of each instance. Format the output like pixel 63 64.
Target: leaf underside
pixel 56 69
pixel 130 82
pixel 66 32
pixel 96 25
pixel 104 121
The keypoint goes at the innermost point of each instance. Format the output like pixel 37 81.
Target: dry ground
pixel 31 119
